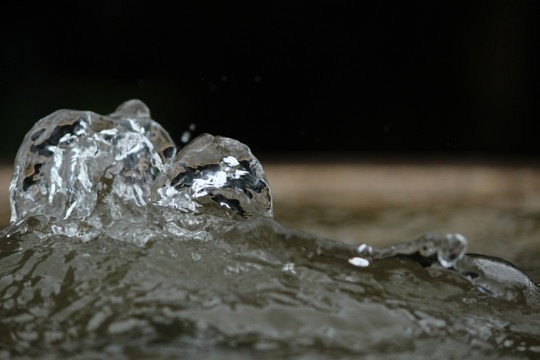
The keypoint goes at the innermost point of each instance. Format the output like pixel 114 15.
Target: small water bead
pixel 451 249
pixel 365 250
pixel 186 135
pixel 250 282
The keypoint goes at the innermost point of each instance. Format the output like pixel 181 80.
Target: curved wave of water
pixel 119 247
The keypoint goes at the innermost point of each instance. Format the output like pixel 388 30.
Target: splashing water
pixel 120 247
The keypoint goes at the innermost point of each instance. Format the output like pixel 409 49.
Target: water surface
pixel 153 253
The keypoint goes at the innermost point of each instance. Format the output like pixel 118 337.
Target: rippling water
pixel 132 251
pixel 507 232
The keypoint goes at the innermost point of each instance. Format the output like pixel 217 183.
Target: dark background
pixel 285 77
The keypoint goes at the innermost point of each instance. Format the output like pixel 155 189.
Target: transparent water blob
pixel 66 155
pixel 215 175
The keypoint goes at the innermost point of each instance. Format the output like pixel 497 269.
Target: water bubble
pixel 365 250
pixel 451 249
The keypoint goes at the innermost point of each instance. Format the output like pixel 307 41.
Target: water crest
pixel 121 247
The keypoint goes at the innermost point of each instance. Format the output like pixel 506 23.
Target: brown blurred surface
pixel 374 186
pixel 5 178
pixel 357 187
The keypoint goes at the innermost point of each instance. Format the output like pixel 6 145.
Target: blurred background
pixel 285 77
pixel 352 106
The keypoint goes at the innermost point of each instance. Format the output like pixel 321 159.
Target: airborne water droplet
pixel 186 136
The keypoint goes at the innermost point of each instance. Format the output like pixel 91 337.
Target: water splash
pixel 67 155
pixel 214 174
pixel 120 246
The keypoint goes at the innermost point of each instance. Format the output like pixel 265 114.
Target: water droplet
pixel 186 136
pixel 365 250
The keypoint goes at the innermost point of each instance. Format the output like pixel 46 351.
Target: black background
pixel 285 77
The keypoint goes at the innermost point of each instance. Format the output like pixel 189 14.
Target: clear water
pixel 121 248
pixel 507 232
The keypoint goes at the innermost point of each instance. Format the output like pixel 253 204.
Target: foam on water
pixel 119 247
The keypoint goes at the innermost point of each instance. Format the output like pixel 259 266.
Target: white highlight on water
pixel 358 261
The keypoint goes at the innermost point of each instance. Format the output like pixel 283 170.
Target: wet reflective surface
pixel 192 264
